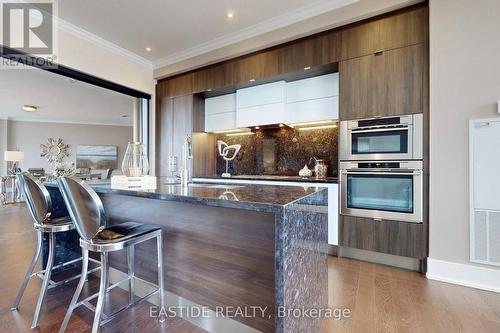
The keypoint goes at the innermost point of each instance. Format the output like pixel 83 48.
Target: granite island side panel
pixel 248 245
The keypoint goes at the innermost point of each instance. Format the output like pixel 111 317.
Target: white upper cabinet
pixel 261 105
pixel 308 100
pixel 313 99
pixel 220 113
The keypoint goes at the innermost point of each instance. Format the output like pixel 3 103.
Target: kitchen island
pixel 231 246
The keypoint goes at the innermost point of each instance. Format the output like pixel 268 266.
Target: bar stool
pixel 86 210
pixel 40 206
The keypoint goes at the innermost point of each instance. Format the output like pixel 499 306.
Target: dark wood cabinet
pixel 174 120
pixel 311 52
pixel 258 66
pixel 213 77
pixel 391 237
pixel 178 85
pixel 361 40
pixel 383 84
pixel 395 31
pixel 404 29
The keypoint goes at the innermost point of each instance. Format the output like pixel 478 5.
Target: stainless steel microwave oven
pixel 382 139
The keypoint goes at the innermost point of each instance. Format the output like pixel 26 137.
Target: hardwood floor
pixel 386 299
pixel 381 298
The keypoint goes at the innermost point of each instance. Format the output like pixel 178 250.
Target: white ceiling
pixel 60 99
pixel 175 29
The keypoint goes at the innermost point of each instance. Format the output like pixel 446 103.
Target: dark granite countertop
pixel 298 179
pixel 244 196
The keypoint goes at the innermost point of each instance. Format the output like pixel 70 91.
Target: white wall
pixel 27 137
pixel 89 57
pixel 464 84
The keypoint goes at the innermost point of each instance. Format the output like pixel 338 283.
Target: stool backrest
pixel 36 195
pixel 84 206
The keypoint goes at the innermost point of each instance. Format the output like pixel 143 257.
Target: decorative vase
pixel 135 162
pixel 305 172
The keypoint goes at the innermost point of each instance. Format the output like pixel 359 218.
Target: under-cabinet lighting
pixel 251 80
pixel 312 123
pixel 307 68
pixel 257 127
pixel 240 134
pixel 228 131
pixel 317 127
pixel 148 49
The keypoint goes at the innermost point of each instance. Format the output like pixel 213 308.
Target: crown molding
pixel 297 15
pixel 101 42
pixel 68 122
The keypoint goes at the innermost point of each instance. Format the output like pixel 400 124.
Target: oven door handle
pixel 404 173
pixel 378 129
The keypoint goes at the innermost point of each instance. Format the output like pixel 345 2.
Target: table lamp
pixel 13 157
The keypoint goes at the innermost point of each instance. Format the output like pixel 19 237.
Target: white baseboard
pixel 465 275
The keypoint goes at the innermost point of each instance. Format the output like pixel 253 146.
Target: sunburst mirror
pixel 55 150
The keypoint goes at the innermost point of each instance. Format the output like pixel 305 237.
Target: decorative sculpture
pixel 55 150
pixel 225 152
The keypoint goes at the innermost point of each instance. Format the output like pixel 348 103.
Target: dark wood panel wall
pixel 381 63
pixel 383 66
pixel 390 31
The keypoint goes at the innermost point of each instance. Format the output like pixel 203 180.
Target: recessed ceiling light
pixel 148 49
pixel 230 15
pixel 30 108
pixel 257 127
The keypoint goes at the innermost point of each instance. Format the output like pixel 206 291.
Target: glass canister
pixel 135 162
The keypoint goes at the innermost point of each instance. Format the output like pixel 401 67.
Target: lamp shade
pixel 13 156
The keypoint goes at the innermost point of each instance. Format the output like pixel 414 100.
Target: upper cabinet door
pixel 404 29
pixel 361 40
pixel 220 113
pixel 313 51
pixel 261 105
pixel 258 66
pixel 389 83
pixel 259 95
pixel 312 88
pixel 313 99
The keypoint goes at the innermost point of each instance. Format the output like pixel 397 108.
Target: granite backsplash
pixel 281 151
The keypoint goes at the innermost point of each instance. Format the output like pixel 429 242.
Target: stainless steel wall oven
pixel 382 190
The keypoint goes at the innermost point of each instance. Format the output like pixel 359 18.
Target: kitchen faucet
pixel 187 154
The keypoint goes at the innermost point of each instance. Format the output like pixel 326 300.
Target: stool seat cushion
pixel 59 220
pixel 57 224
pixel 122 232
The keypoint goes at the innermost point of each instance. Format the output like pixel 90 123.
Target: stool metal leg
pixel 107 270
pixel 83 278
pixel 31 267
pixel 159 243
pixel 131 272
pixel 46 279
pixel 102 293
